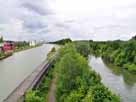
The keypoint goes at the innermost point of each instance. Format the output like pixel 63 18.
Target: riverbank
pixel 26 48
pixel 119 80
pixel 10 53
pixel 6 54
pixel 119 53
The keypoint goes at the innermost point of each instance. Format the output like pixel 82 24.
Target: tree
pixel 1 39
pixel 32 97
pixel 83 48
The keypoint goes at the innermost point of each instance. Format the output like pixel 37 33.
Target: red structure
pixel 8 45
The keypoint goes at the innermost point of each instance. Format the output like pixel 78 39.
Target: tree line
pixel 120 53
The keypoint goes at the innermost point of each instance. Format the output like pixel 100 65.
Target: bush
pixel 83 48
pixel 32 97
pixel 102 94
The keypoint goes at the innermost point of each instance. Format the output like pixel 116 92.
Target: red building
pixel 8 45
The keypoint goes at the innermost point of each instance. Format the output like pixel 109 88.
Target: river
pixel 118 80
pixel 14 69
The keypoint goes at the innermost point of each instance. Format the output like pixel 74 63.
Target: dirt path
pixel 51 95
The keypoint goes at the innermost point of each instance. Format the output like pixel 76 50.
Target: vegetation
pixel 76 82
pixel 5 54
pixel 53 50
pixel 20 46
pixel 1 55
pixel 83 48
pixel 1 39
pixel 41 93
pixel 62 42
pixel 120 53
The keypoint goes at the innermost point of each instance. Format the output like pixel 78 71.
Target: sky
pixel 51 20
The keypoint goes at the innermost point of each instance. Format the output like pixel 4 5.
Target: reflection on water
pixel 129 78
pixel 120 81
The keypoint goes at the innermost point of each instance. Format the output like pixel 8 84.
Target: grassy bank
pixel 5 55
pixel 9 53
pixel 25 48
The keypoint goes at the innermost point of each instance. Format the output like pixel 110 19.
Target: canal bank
pixel 120 81
pixel 10 53
pixel 16 68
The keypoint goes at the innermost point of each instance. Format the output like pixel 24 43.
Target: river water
pixel 116 79
pixel 14 69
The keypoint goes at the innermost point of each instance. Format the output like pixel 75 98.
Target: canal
pixel 14 69
pixel 116 79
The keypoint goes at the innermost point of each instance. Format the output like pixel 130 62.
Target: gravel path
pixel 51 95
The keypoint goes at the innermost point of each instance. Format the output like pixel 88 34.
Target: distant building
pixel 32 43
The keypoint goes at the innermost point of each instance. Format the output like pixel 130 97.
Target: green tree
pixel 32 97
pixel 1 39
pixel 83 48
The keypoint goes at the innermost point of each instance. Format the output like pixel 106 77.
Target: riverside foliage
pixel 120 53
pixel 76 81
pixel 41 93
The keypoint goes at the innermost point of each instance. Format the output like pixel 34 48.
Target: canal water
pixel 116 79
pixel 14 69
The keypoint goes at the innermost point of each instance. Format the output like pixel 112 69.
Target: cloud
pixel 34 24
pixel 55 19
pixel 36 8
